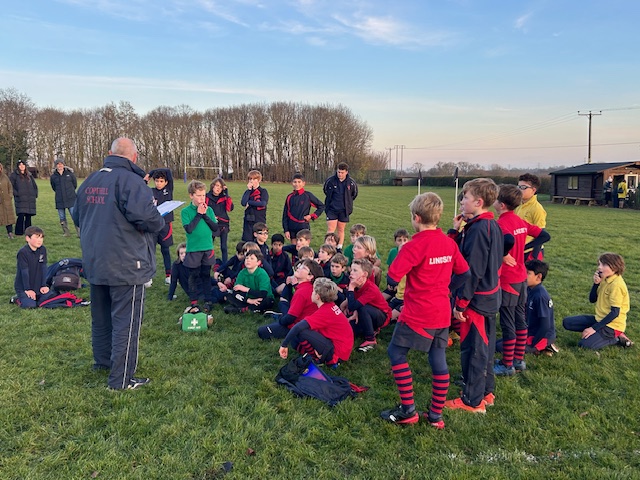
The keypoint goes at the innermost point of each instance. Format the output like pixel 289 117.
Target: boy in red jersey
pixel 428 261
pixel 305 272
pixel 326 334
pixel 478 301
pixel 365 306
pixel 513 279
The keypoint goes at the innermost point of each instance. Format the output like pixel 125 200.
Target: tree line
pixel 278 139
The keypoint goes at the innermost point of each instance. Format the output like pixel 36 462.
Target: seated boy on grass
pixel 326 334
pixel 365 307
pixel 300 307
pixel 252 290
pixel 31 271
pixel 280 262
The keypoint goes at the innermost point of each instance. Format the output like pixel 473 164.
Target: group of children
pixel 439 285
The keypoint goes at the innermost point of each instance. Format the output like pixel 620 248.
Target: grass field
pixel 213 395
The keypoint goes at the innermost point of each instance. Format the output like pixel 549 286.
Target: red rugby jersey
pixel 428 260
pixel 332 323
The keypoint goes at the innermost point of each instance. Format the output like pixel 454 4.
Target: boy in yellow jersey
pixel 609 293
pixel 531 211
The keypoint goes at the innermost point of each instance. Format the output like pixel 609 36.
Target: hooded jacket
pixel 118 224
pixel 25 192
pixel 64 184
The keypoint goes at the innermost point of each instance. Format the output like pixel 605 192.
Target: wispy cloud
pixel 223 12
pixel 388 30
pixel 522 21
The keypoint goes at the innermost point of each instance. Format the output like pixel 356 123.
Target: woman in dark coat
pixel 25 192
pixel 64 183
pixel 7 215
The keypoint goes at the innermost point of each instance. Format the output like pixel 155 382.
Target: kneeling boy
pixel 326 335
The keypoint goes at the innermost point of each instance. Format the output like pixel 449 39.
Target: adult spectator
pixel 621 190
pixel 340 190
pixel 118 225
pixel 608 189
pixel 7 215
pixel 531 211
pixel 25 192
pixel 64 183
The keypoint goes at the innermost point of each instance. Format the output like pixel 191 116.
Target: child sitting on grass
pixel 326 334
pixel 252 290
pixel 356 230
pixel 300 307
pixel 364 247
pixel 339 275
pixel 280 263
pixel 609 293
pixel 179 273
pixel 31 271
pixel 542 329
pixel 325 254
pixel 365 307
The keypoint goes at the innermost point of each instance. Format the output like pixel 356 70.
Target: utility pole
pixel 389 157
pixel 401 147
pixel 590 114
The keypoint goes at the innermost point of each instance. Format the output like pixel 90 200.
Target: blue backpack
pixel 304 379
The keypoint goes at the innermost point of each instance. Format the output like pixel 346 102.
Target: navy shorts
pixel 341 215
pixel 404 336
pixel 196 259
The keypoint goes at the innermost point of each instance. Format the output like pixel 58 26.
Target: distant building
pixel 584 183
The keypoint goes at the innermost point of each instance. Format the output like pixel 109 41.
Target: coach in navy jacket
pixel 118 223
pixel 340 190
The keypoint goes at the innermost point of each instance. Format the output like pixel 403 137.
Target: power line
pixel 522 148
pixel 552 122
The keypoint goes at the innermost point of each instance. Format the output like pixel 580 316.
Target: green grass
pixel 213 396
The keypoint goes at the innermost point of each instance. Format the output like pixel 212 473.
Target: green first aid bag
pixel 194 322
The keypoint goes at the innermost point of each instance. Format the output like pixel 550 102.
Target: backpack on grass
pixel 65 275
pixel 303 378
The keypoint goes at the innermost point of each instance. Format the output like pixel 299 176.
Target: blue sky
pixel 460 80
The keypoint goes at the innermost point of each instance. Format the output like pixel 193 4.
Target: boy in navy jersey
pixel 260 237
pixel 280 262
pixel 428 262
pixel 303 239
pixel 478 301
pixel 542 328
pixel 326 334
pixel 513 277
pixel 296 214
pixel 163 192
pixel 325 254
pixel 31 271
pixel 219 200
pixel 254 200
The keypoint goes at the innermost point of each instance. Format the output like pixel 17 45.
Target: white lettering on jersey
pixel 440 260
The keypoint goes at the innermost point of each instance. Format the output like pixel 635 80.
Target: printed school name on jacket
pixel 96 194
pixel 440 260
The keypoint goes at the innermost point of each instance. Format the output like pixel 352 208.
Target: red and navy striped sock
pixel 404 382
pixel 305 347
pixel 439 390
pixel 508 346
pixel 521 341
